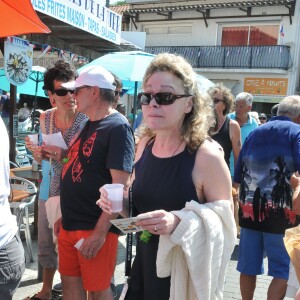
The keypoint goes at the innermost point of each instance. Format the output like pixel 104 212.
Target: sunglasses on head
pixel 160 98
pixel 63 92
pixel 216 100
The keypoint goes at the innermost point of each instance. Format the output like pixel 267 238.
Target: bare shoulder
pixel 141 146
pixel 209 156
pixel 234 123
pixel 209 166
pixel 210 149
pixel 42 117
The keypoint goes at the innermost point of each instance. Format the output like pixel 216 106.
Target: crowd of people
pixel 186 140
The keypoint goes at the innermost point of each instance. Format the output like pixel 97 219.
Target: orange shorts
pixel 96 273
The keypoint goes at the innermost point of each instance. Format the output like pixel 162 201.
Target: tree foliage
pixel 120 3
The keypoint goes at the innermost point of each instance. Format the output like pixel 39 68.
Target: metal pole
pixel 12 140
pixel 35 99
pixel 134 101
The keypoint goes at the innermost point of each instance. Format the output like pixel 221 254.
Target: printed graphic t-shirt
pixel 268 158
pixel 101 146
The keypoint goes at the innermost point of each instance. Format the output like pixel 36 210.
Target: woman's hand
pixel 104 203
pixel 295 180
pixel 54 152
pixel 28 143
pixel 37 151
pixel 158 222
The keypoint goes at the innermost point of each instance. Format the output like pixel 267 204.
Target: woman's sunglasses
pixel 160 98
pixel 216 100
pixel 63 92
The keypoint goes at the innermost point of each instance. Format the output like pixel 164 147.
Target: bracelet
pixel 297 191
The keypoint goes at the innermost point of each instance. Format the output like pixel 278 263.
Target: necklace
pixel 63 127
pixel 220 125
pixel 177 149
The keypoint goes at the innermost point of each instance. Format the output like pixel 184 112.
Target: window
pixel 250 35
pixel 165 30
pixel 156 30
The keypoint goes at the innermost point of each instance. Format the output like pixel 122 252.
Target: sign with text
pixel 15 126
pixel 89 15
pixel 266 86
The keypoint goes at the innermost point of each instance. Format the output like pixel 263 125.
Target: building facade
pixel 251 46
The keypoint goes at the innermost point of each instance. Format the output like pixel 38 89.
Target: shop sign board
pixel 18 55
pixel 89 15
pixel 266 86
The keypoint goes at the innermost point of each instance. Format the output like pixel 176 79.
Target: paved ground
pixel 30 285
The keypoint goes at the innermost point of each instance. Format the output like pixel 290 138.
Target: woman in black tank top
pixel 175 163
pixel 228 133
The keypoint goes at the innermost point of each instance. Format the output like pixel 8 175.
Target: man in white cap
pixel 103 153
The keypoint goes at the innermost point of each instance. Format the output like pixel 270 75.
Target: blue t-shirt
pixel 269 156
pixel 248 127
pixel 102 145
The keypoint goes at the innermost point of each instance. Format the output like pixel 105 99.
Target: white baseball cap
pixel 92 76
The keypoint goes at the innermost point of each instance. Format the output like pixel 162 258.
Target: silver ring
pixel 55 153
pixel 100 206
pixel 155 229
pixel 39 156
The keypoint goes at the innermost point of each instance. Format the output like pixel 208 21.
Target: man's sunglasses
pixel 160 98
pixel 120 93
pixel 80 88
pixel 63 92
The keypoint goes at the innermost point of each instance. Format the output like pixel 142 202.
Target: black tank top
pixel 223 138
pixel 163 183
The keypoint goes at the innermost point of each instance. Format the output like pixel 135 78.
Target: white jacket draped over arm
pixel 197 253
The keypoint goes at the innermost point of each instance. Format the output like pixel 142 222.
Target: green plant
pixel 145 236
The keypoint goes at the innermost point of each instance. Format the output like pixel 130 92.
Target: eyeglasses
pixel 262 118
pixel 160 98
pixel 63 92
pixel 120 93
pixel 80 88
pixel 216 100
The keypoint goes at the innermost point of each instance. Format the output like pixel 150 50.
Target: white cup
pixel 115 195
pixel 34 138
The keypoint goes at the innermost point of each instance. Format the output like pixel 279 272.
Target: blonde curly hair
pixel 201 119
pixel 228 98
